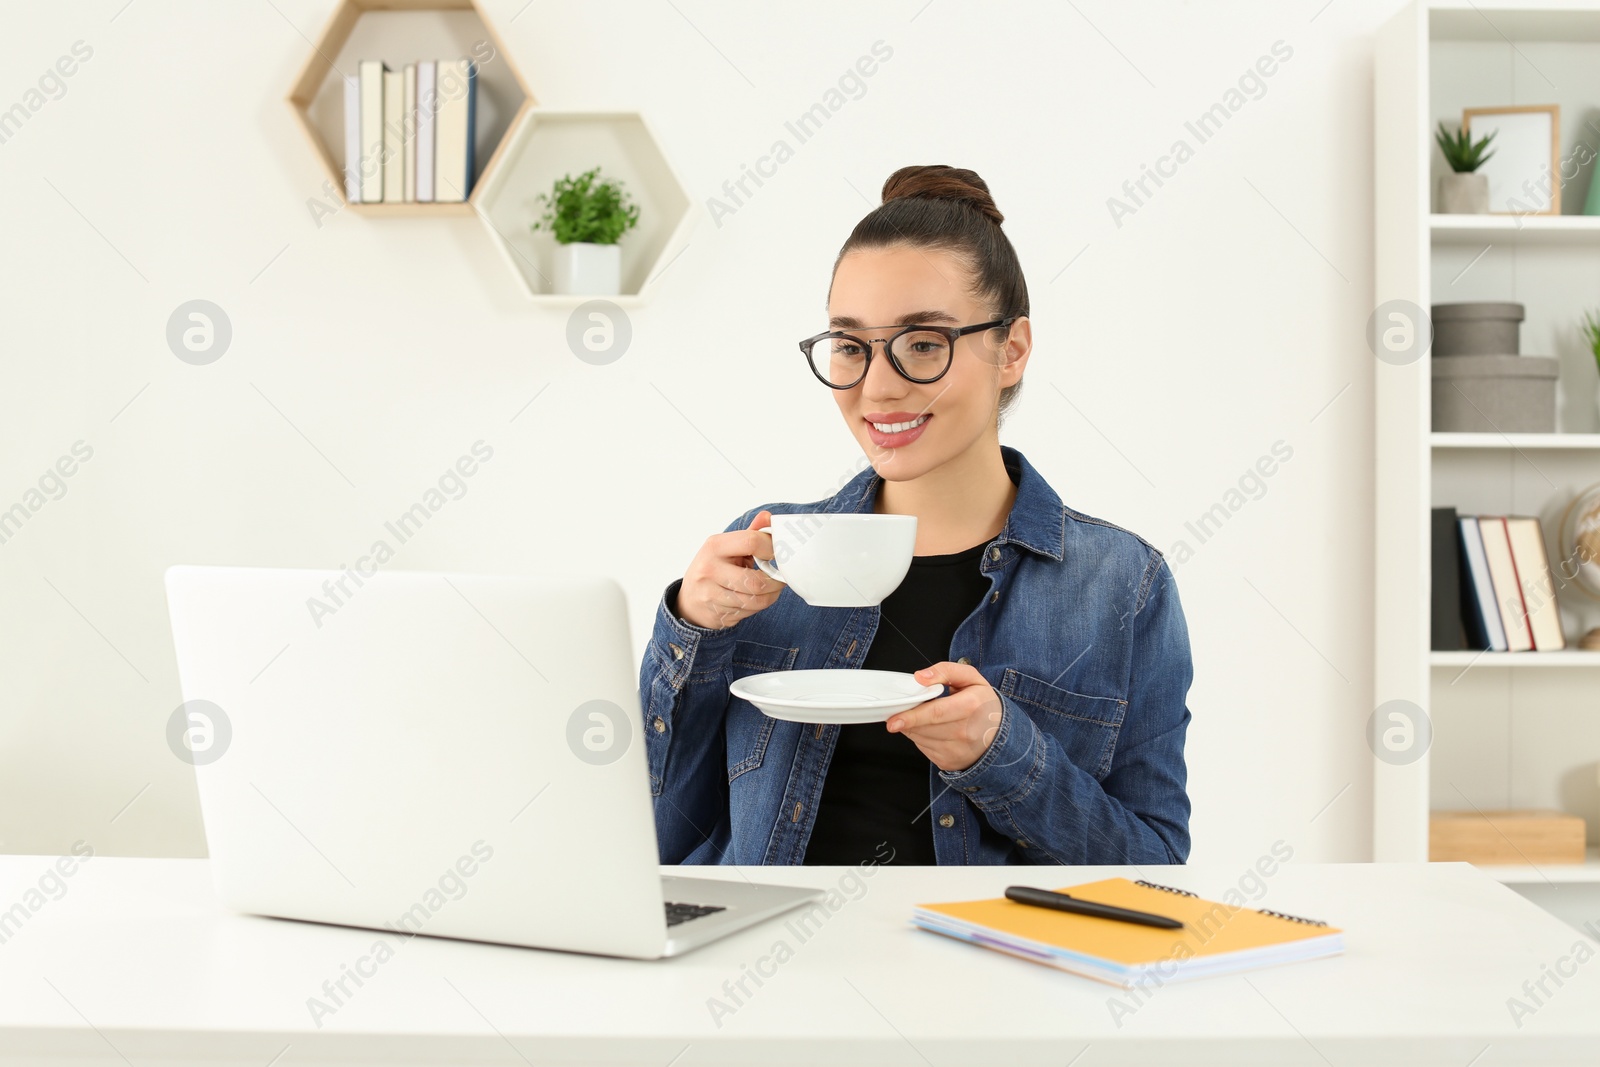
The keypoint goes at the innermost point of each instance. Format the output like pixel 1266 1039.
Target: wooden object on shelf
pixel 1518 125
pixel 1532 835
pixel 319 65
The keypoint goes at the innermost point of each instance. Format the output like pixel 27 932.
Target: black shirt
pixel 877 786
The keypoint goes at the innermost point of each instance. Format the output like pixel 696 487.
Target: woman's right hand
pixel 722 584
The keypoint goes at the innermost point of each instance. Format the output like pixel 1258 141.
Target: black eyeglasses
pixel 918 353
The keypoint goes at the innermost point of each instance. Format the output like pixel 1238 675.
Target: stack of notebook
pixel 1216 938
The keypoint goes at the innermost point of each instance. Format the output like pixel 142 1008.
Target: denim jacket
pixel 1081 635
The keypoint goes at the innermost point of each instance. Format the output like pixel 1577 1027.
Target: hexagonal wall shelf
pixel 403 31
pixel 545 145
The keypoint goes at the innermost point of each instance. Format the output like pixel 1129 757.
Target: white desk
pixel 135 964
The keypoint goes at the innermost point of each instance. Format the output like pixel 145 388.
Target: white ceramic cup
pixel 840 560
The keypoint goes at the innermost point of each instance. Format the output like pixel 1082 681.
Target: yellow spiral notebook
pixel 1216 938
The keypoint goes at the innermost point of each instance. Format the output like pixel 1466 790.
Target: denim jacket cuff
pixel 680 647
pixel 1008 767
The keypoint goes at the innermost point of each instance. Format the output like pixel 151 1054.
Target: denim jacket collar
pixel 1037 520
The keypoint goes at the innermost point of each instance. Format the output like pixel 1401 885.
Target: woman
pixel 1059 636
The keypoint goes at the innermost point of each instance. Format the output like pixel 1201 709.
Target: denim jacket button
pixel 964 659
pixel 994 551
pixel 947 820
pixel 677 653
pixel 660 724
pixel 994 596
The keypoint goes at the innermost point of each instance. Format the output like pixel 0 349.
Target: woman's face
pixel 885 288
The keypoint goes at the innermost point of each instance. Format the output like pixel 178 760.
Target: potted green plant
pixel 588 215
pixel 1591 334
pixel 1463 191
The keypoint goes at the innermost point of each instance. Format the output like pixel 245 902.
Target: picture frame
pixel 1523 169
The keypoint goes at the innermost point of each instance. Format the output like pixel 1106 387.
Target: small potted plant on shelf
pixel 1591 334
pixel 1463 191
pixel 588 215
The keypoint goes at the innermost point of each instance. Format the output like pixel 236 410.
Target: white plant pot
pixel 586 269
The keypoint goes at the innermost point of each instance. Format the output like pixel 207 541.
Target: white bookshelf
pixel 1509 730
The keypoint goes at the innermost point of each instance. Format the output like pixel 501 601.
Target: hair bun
pixel 939 182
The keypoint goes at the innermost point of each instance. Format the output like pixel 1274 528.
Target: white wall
pixel 1173 350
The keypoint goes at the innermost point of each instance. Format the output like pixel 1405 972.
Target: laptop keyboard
pixel 682 913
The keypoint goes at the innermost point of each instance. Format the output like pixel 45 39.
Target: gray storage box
pixel 1480 327
pixel 1487 393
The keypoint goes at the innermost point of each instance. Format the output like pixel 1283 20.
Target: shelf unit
pixel 520 148
pixel 547 144
pixel 402 31
pixel 1506 730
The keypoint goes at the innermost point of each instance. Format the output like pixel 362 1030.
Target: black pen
pixel 1045 898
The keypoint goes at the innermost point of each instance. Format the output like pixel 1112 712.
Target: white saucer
pixel 833 696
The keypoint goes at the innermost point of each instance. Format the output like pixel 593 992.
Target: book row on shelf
pixel 1493 589
pixel 409 131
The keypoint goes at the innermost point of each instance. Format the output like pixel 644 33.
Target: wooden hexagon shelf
pixel 547 144
pixel 402 31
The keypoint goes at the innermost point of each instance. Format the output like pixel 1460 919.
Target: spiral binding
pixel 1260 911
pixel 1291 918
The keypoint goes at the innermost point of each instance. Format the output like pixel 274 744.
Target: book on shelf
pixel 1537 583
pixel 455 131
pixel 1492 588
pixel 371 159
pixel 352 137
pixel 394 166
pixel 1507 590
pixel 1447 617
pixel 409 132
pixel 1483 626
pixel 426 102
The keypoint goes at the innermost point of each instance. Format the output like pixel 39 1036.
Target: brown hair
pixel 950 209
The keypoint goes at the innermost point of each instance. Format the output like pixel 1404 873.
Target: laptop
pixel 452 755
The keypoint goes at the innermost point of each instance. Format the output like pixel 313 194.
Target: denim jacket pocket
pixel 748 728
pixel 1086 727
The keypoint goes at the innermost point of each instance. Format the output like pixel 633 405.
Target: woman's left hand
pixel 955 729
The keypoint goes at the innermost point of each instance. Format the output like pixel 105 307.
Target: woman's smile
pixel 896 429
